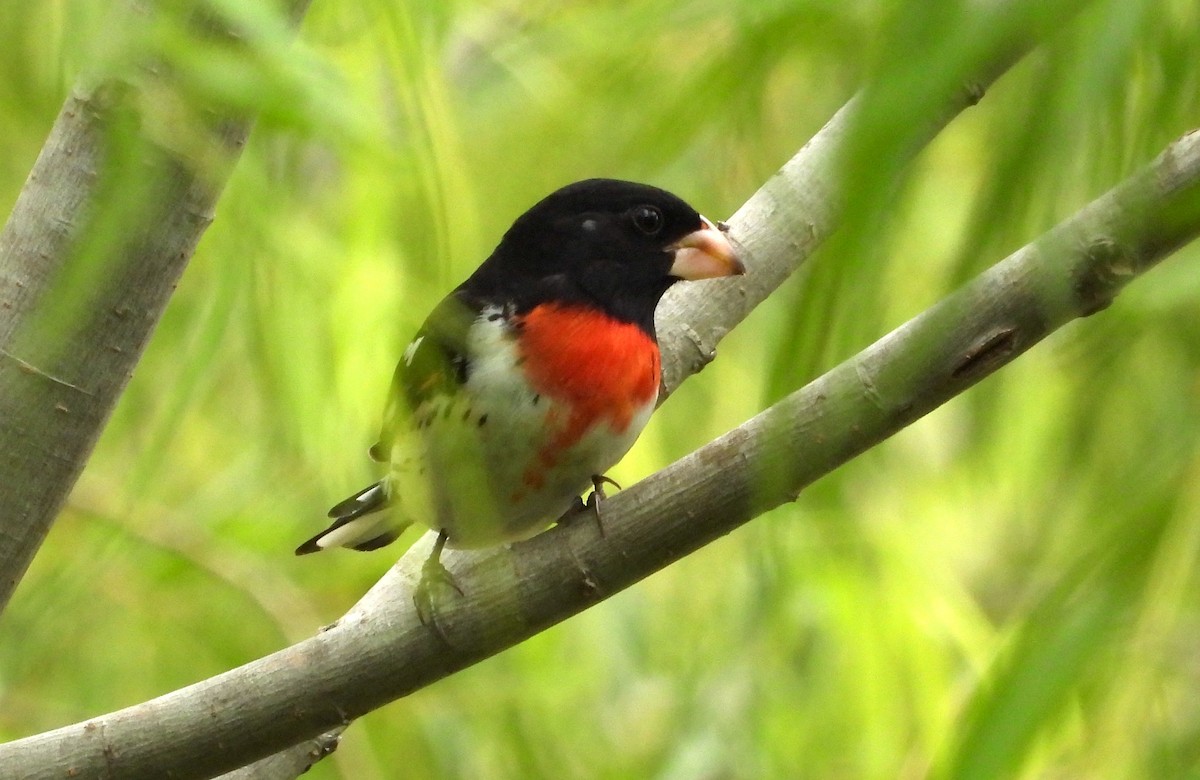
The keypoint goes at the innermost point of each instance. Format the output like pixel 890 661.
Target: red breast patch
pixel 598 367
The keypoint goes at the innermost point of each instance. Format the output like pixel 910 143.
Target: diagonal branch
pixel 72 244
pixel 380 651
pixel 794 212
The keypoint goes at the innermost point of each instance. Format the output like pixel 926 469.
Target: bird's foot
pixel 598 494
pixel 434 576
pixel 592 505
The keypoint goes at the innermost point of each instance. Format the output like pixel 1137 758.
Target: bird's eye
pixel 647 219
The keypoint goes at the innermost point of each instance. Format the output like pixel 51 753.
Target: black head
pixel 612 244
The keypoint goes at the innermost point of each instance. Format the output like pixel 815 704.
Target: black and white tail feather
pixel 356 524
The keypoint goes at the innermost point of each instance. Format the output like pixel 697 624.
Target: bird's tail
pixel 357 523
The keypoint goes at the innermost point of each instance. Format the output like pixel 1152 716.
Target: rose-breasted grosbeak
pixel 533 376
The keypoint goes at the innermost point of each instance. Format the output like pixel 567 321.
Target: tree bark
pixel 380 650
pixel 95 244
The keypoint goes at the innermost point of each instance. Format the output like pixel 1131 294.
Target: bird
pixel 534 376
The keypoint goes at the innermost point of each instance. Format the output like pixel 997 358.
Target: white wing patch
pixel 411 350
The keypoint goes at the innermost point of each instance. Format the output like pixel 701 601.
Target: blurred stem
pixel 100 233
pixel 380 651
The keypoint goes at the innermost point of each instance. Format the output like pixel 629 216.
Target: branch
pixel 380 651
pixel 105 224
pixel 793 214
pixel 291 762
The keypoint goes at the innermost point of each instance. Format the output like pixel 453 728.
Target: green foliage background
pixel 1006 589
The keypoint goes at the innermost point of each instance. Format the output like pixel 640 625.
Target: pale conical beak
pixel 705 254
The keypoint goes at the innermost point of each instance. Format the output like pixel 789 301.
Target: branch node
pixel 990 351
pixel 324 745
pixel 870 390
pixel 591 585
pixel 1107 266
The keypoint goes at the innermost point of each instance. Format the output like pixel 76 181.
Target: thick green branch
pixel 380 651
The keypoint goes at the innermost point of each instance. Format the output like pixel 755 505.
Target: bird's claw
pixel 598 483
pixel 592 505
